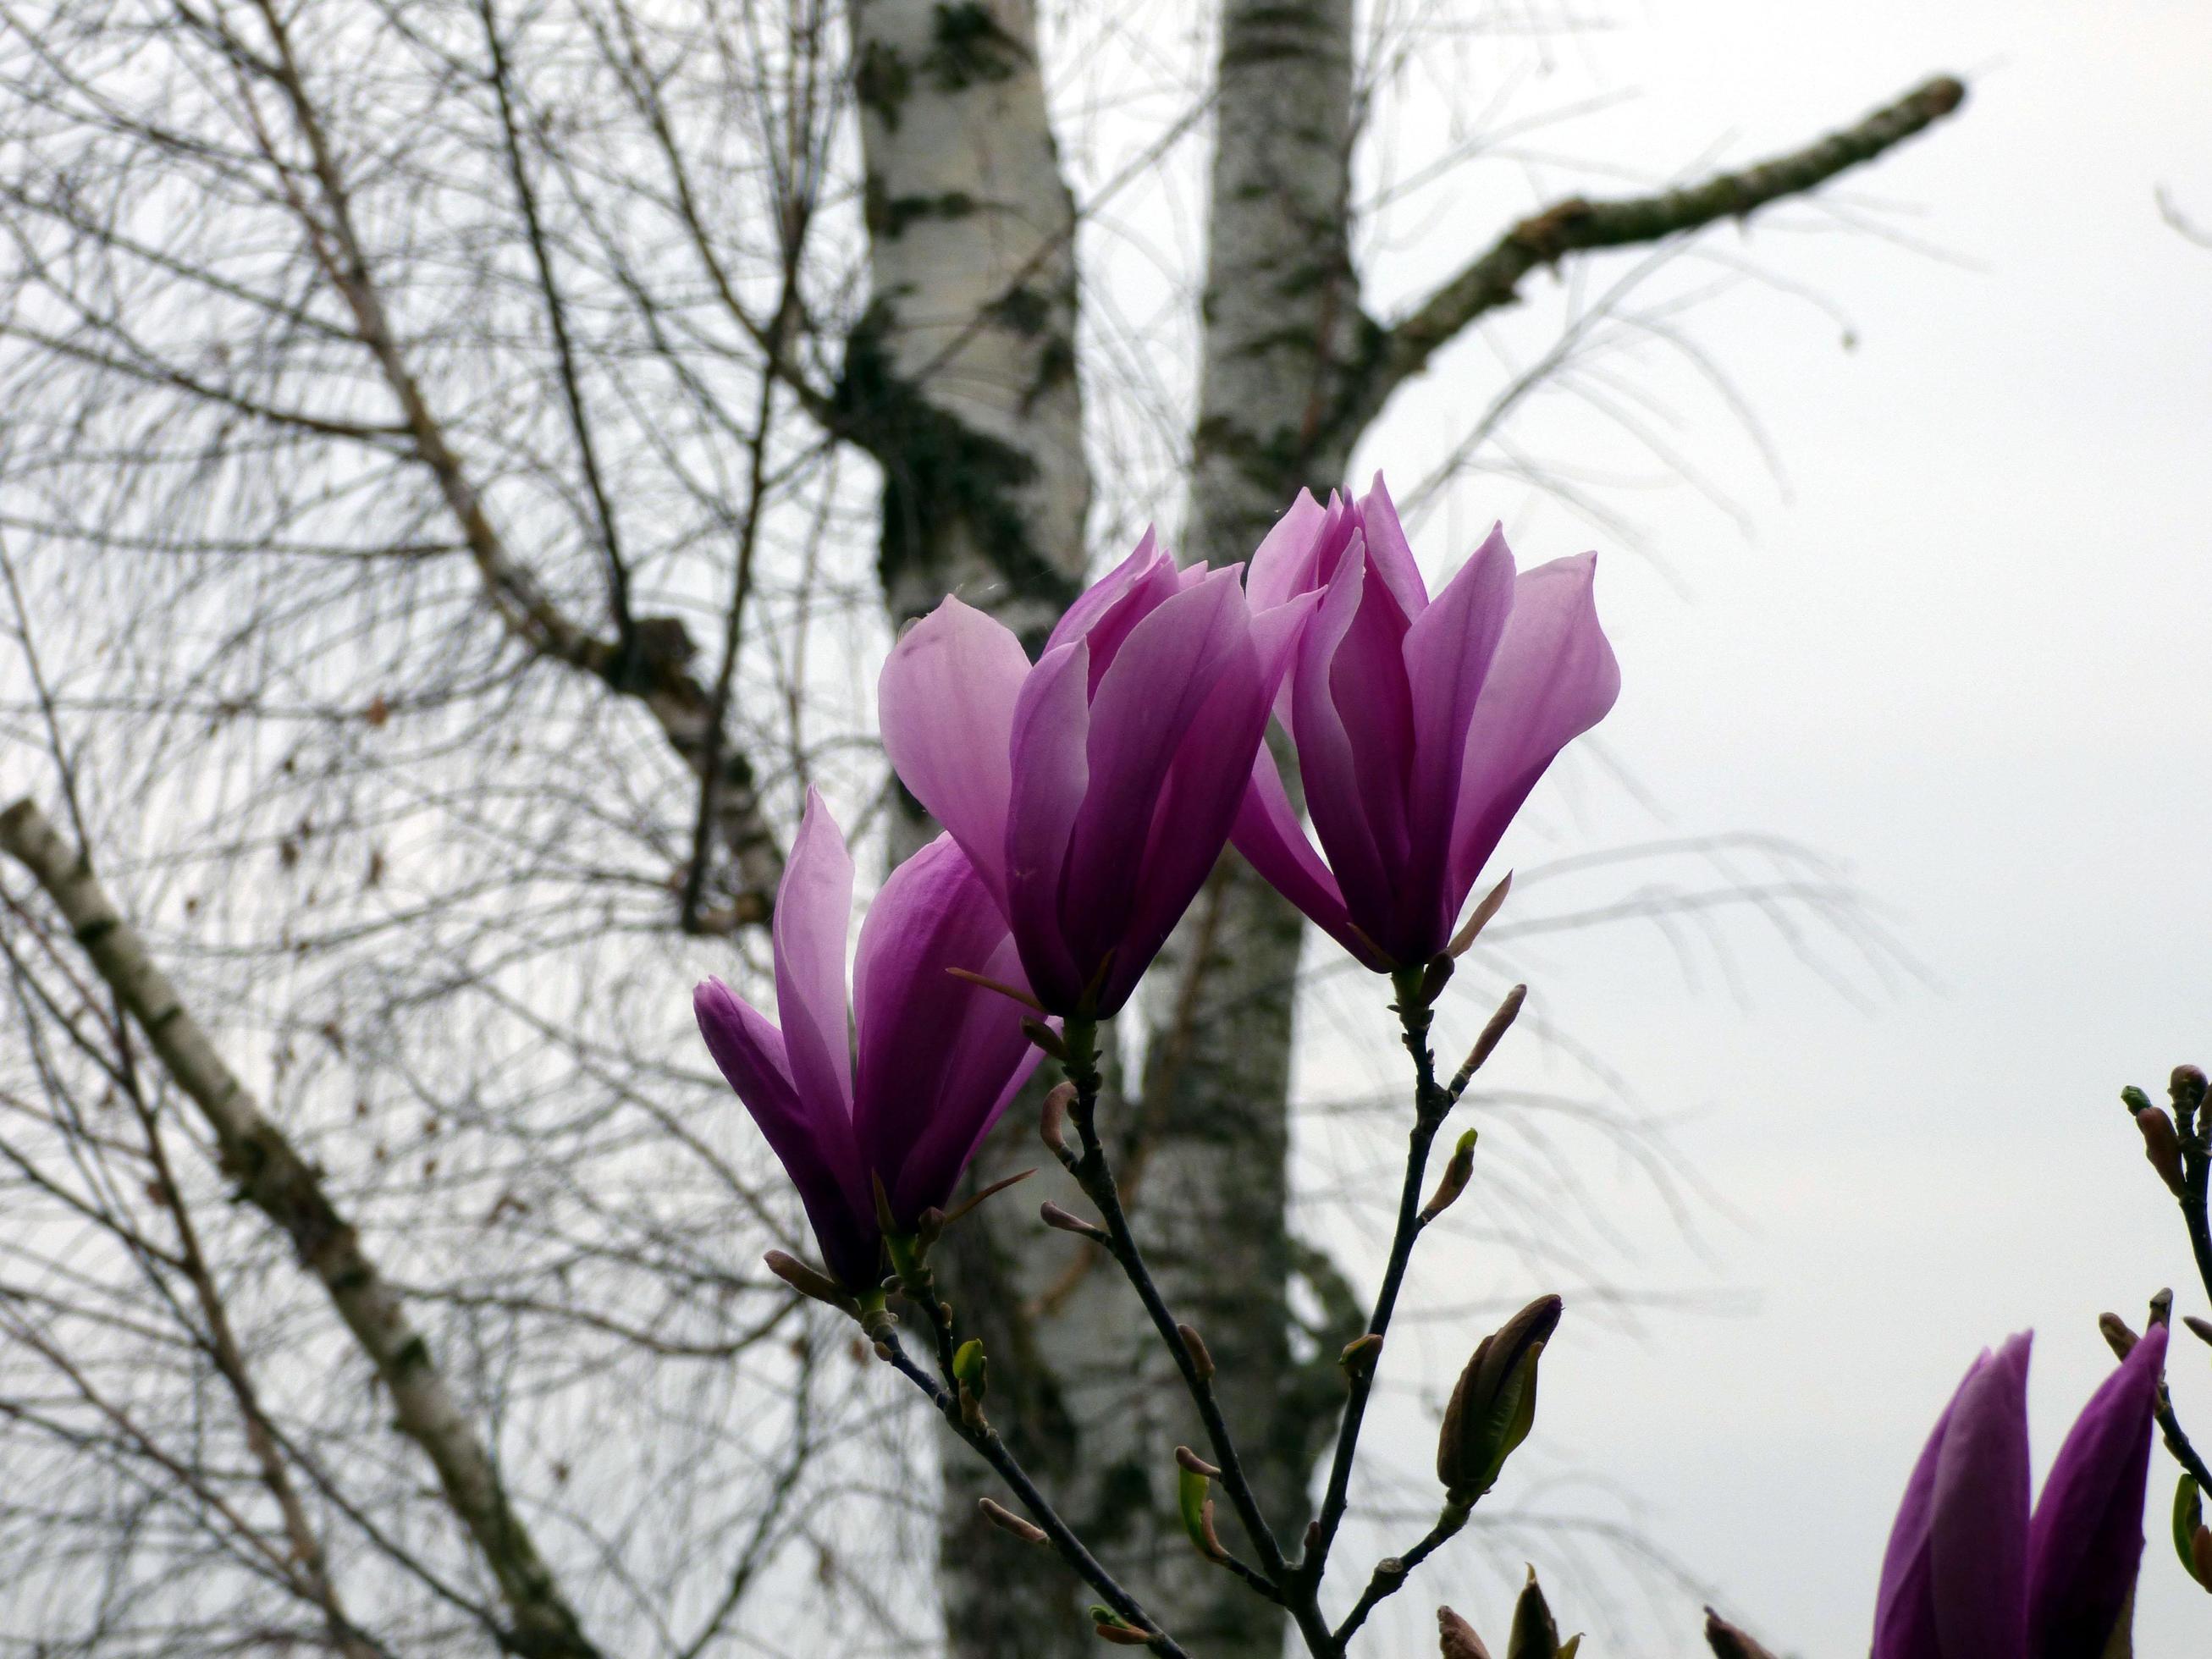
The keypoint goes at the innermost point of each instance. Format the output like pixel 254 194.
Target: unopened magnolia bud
pixel 1112 1627
pixel 1492 1035
pixel 1201 1359
pixel 1727 1642
pixel 2161 1308
pixel 928 1228
pixel 2200 1555
pixel 1197 1511
pixel 1453 1182
pixel 2117 1336
pixel 1187 1459
pixel 1494 1405
pixel 2188 1522
pixel 970 1369
pixel 2162 1147
pixel 1460 1641
pixel 2200 1328
pixel 1535 1632
pixel 2186 1088
pixel 811 1281
pixel 1360 1356
pixel 1054 1216
pixel 1007 1521
pixel 1045 1038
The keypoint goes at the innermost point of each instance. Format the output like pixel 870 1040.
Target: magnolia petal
pixel 1101 595
pixel 1388 551
pixel 1551 678
pixel 1447 655
pixel 1978 1535
pixel 1052 772
pixel 946 702
pixel 1327 763
pixel 2085 1546
pixel 935 1051
pixel 1146 700
pixel 816 1150
pixel 813 910
pixel 1282 565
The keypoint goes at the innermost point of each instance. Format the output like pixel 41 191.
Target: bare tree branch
pixel 1402 350
pixel 284 1186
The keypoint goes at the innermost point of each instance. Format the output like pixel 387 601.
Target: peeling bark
pixel 961 380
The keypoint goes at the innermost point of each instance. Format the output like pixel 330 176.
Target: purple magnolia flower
pixel 938 1057
pixel 1094 791
pixel 1421 724
pixel 1968 1574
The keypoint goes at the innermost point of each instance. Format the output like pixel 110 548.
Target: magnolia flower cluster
pixel 1086 796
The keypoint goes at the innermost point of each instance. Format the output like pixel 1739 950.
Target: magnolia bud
pixel 2134 1099
pixel 1045 1038
pixel 1360 1357
pixel 2200 1328
pixel 1492 1034
pixel 1460 1641
pixel 2188 1526
pixel 1454 1180
pixel 1196 1507
pixel 811 1281
pixel 1112 1627
pixel 1535 1632
pixel 1727 1642
pixel 2200 1555
pixel 2117 1336
pixel 1201 1359
pixel 1189 1460
pixel 2162 1147
pixel 2186 1088
pixel 1007 1521
pixel 1494 1405
pixel 1054 1216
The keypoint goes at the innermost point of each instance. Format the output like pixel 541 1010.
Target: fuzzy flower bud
pixel 1494 1406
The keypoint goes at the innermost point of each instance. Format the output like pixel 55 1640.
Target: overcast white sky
pixel 1967 650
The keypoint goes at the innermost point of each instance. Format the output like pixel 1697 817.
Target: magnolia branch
pixel 1577 226
pixel 275 1180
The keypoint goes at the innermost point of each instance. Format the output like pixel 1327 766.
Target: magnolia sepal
pixel 811 1282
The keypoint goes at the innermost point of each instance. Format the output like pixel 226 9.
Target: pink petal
pixel 813 909
pixel 935 1051
pixel 1273 840
pixel 1101 595
pixel 1388 551
pixel 946 705
pixel 1052 773
pixel 1283 564
pixel 1977 1536
pixel 1447 654
pixel 1146 701
pixel 1552 679
pixel 1326 762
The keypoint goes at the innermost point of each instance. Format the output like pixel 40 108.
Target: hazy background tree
pixel 463 462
